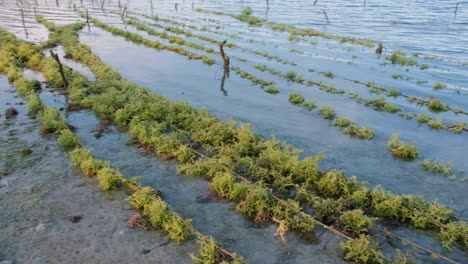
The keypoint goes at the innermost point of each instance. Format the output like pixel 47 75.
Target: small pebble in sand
pixel 145 251
pixel 74 218
pixel 203 199
pixel 11 112
pixel 25 151
pixel 40 227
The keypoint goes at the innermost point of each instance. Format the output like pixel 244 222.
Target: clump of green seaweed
pixel 401 150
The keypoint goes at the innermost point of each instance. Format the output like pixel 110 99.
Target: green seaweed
pixel 404 151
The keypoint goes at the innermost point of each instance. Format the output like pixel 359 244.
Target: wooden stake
pixel 379 49
pixel 223 55
pixel 22 18
pixel 87 17
pixel 123 12
pixel 24 24
pixel 456 9
pixel 62 73
pixel 268 5
pixel 326 16
pixel 151 1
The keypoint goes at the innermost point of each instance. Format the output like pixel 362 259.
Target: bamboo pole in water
pixel 62 73
pixel 122 15
pixel 24 23
pixel 326 16
pixel 22 18
pixel 379 49
pixel 223 55
pixel 87 20
pixel 151 2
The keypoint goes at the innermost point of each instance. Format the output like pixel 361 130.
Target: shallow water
pixel 40 190
pixel 411 26
pixel 428 27
pixel 215 218
pixel 271 115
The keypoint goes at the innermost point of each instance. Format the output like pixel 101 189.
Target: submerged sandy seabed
pixel 41 189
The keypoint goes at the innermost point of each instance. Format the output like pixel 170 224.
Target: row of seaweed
pixel 407 151
pixel 396 57
pixel 400 58
pixel 327 112
pixel 175 26
pixel 204 28
pixel 15 56
pixel 206 145
pixel 179 31
pixel 247 16
pixel 433 104
pixel 379 104
pixel 157 45
pixel 399 149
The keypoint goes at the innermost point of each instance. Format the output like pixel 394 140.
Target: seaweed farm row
pixel 183 86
